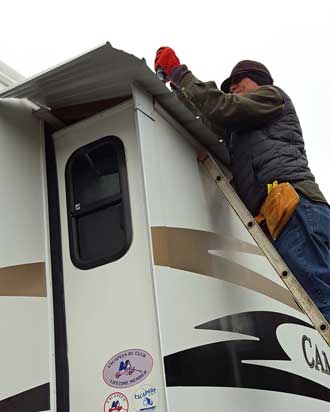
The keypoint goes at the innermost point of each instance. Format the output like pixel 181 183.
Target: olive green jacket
pixel 225 113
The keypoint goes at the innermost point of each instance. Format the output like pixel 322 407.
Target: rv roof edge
pixel 8 76
pixel 67 62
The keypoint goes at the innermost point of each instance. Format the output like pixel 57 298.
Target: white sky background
pixel 290 37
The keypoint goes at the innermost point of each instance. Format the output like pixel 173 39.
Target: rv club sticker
pixel 146 398
pixel 116 402
pixel 127 368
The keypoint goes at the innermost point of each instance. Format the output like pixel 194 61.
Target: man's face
pixel 243 85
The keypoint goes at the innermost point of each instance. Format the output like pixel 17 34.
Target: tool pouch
pixel 278 207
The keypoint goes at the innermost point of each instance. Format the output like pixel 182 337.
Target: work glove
pixel 167 60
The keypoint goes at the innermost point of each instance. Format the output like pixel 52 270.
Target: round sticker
pixel 127 368
pixel 116 402
pixel 146 398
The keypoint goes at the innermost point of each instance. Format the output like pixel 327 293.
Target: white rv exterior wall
pixel 21 208
pixel 24 315
pixel 181 196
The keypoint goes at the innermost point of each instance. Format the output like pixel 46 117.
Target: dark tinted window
pixel 98 203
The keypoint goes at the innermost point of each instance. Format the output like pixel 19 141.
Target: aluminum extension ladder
pixel 298 292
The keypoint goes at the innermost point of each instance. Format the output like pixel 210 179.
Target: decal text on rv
pixel 313 357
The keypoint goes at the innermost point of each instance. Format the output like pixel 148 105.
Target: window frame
pixel 123 197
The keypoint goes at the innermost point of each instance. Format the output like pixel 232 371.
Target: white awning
pixel 105 73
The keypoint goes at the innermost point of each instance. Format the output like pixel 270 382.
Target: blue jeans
pixel 304 244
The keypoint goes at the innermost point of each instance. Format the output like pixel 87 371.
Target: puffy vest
pixel 274 152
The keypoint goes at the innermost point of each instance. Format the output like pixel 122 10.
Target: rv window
pixel 98 203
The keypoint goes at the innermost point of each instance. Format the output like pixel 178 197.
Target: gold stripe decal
pixel 188 249
pixel 23 280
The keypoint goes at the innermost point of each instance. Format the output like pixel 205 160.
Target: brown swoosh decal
pixel 32 400
pixel 23 280
pixel 187 249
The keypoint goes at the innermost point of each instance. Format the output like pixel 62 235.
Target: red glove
pixel 166 59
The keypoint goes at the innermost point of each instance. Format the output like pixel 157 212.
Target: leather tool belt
pixel 278 207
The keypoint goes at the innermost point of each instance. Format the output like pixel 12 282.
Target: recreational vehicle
pixel 128 281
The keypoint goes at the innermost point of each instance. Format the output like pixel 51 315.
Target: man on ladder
pixel 269 164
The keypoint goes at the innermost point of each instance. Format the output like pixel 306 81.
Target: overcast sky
pixel 291 37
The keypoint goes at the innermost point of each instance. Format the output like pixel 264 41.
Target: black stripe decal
pixel 220 364
pixel 32 400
